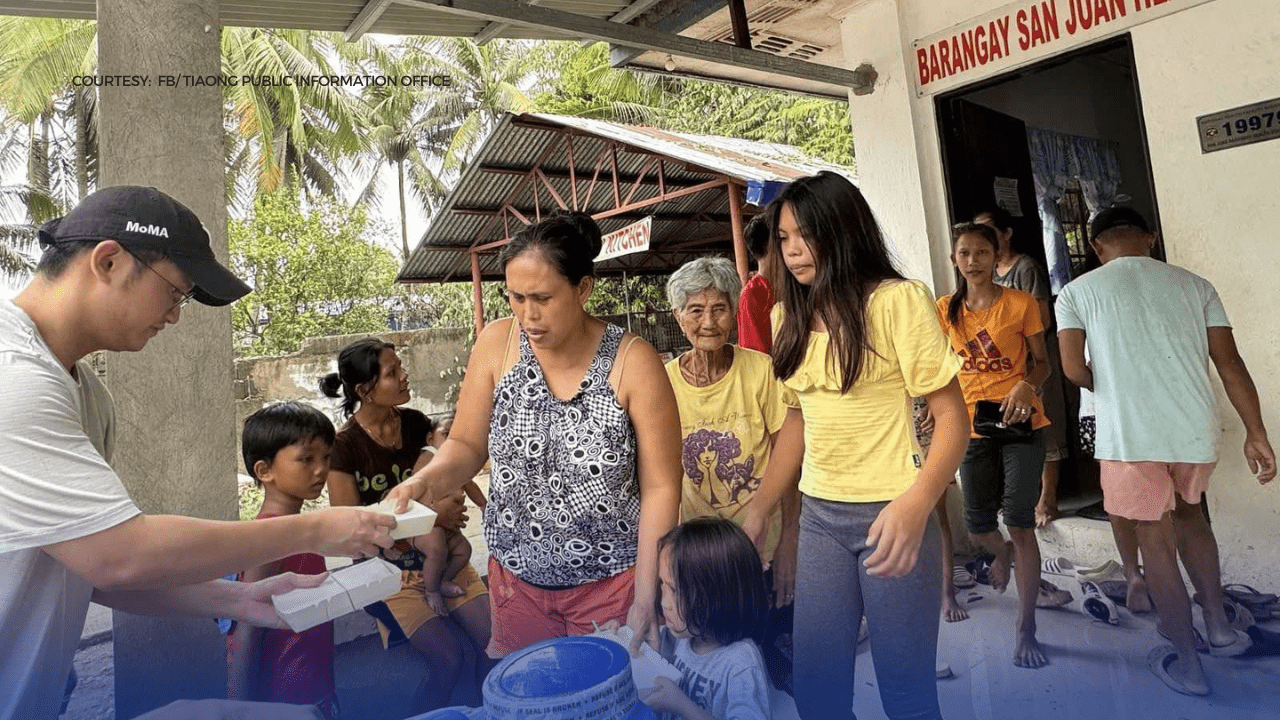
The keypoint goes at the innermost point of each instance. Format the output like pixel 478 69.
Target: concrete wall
pixel 1218 211
pixel 433 359
pixel 1220 215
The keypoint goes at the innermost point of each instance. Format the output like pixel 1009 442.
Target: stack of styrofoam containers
pixel 417 520
pixel 344 591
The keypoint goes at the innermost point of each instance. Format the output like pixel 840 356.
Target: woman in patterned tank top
pixel 580 422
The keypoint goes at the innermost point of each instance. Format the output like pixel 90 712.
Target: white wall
pixel 1219 212
pixel 880 121
pixel 1221 218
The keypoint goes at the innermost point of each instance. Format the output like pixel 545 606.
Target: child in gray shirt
pixel 715 607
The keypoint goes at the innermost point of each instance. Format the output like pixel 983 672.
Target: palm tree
pixel 41 55
pixel 402 133
pixel 588 86
pixel 282 135
pixel 486 81
pixel 275 133
pixel 22 207
pixel 428 134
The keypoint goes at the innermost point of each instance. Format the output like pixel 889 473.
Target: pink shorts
pixel 524 614
pixel 1146 490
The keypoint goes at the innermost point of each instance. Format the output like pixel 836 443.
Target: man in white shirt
pixel 115 272
pixel 1152 330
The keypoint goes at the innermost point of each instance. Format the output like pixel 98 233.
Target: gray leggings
pixel 833 590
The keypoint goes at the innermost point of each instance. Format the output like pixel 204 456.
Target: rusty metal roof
pixel 684 227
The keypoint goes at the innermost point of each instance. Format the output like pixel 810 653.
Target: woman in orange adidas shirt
pixel 992 329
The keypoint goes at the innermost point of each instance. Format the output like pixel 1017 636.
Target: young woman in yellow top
pixel 854 342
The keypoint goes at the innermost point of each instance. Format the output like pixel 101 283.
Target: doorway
pixel 1053 144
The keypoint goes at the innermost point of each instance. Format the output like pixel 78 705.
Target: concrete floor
pixel 1096 670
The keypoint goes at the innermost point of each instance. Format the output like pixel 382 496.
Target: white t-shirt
pixel 55 486
pixel 1146 328
pixel 728 682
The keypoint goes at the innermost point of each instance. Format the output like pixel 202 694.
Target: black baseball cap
pixel 1114 217
pixel 143 218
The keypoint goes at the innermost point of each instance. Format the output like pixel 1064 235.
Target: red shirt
pixel 297 668
pixel 755 331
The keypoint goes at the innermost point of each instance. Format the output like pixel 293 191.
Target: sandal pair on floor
pixel 1109 570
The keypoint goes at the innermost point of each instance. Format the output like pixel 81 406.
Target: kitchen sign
pixel 633 238
pixel 1025 31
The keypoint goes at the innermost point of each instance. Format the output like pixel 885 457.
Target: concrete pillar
pixel 888 157
pixel 176 441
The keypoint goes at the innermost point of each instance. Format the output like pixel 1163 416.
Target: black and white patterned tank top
pixel 564 501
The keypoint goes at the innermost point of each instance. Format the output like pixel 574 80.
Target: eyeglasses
pixel 180 299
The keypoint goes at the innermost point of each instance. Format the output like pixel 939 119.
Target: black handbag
pixel 988 421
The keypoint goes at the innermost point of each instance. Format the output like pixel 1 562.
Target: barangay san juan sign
pixel 633 238
pixel 1024 31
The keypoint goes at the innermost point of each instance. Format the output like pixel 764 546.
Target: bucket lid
pixel 564 678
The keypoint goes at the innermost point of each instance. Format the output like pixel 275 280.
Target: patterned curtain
pixel 1056 158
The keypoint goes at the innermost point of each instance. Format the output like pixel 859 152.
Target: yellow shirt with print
pixel 861 446
pixel 725 429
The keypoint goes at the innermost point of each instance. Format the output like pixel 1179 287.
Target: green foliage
pixel 815 126
pixel 314 273
pixel 586 86
pixel 648 293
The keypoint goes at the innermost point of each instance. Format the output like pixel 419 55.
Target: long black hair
pixel 359 364
pixel 720 585
pixel 962 286
pixel 850 259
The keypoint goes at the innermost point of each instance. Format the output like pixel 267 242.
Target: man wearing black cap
pixel 115 272
pixel 1151 330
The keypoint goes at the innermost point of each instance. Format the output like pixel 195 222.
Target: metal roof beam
pixel 369 15
pixel 643 38
pixel 493 29
pixel 565 175
pixel 635 214
pixel 633 10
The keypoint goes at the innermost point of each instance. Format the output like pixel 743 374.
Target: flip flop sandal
pixel 1242 644
pixel 1117 590
pixel 962 579
pixel 942 671
pixel 1051 596
pixel 1202 645
pixel 1238 616
pixel 1262 605
pixel 1158 660
pixel 1099 606
pixel 1109 570
pixel 1058 566
pixel 1244 594
pixel 1265 643
pixel 981 570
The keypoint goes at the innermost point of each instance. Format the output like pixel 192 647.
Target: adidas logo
pixel 156 230
pixel 983 356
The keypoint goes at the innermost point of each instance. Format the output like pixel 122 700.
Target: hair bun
pixel 586 226
pixel 331 385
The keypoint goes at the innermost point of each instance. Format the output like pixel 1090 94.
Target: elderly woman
pixel 730 412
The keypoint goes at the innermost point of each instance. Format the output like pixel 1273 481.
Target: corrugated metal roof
pixel 684 226
pixel 332 15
